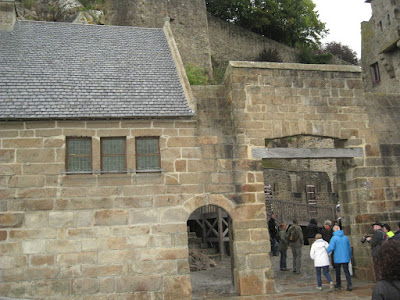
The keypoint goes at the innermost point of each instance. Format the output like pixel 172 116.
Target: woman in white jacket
pixel 320 257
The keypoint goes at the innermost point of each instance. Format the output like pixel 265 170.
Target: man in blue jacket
pixel 340 244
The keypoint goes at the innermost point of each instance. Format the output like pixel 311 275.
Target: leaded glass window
pixel 113 154
pixel 79 154
pixel 147 153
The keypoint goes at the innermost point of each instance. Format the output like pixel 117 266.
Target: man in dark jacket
pixel 397 233
pixel 341 245
pixel 296 241
pixel 311 230
pixel 273 231
pixel 376 241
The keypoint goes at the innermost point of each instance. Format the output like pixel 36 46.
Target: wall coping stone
pixel 294 66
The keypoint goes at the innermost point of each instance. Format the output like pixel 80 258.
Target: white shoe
pixel 331 286
pixel 319 288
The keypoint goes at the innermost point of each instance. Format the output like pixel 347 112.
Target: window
pixel 380 25
pixel 113 154
pixel 147 153
pixel 79 155
pixel 388 19
pixel 376 77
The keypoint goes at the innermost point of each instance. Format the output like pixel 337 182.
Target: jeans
pixel 282 262
pixel 346 273
pixel 274 247
pixel 326 274
pixel 296 259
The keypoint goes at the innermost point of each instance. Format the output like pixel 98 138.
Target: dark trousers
pixel 282 262
pixel 346 273
pixel 376 269
pixel 274 246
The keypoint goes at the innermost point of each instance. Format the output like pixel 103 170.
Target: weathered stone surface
pixel 110 217
pixel 61 219
pixel 60 246
pixel 177 287
pixel 80 258
pixel 138 283
pixel 11 220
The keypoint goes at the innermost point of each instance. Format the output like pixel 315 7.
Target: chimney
pixel 7 15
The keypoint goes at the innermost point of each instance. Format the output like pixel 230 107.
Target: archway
pixel 210 251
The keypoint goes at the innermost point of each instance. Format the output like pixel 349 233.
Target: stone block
pixel 182 142
pixel 244 248
pixel 166 200
pixel 180 165
pixel 16 289
pixel 80 233
pixel 52 288
pixel 173 215
pixel 28 234
pixel 164 254
pixel 48 132
pixel 71 271
pixel 93 244
pixel 53 143
pixel 143 217
pixel 138 241
pixel 84 219
pixel 31 205
pixel 190 153
pixel 130 230
pixel 90 203
pixel 23 143
pixel 61 246
pixel 138 283
pixel 85 286
pixel 259 261
pixel 118 256
pixel 7 156
pixel 78 180
pixel 37 193
pixel 111 217
pixel 8 262
pixel 41 260
pixel 10 170
pixel 104 124
pixel 61 219
pixel 83 258
pixel 134 202
pixel 116 243
pixel 81 132
pixel 3 235
pixel 160 241
pixel 250 284
pixel 26 181
pixel 103 271
pixel 34 246
pixel 153 267
pixel 11 220
pixel 114 180
pixel 36 219
pixel 177 287
pixel 107 286
pixel 8 133
pixel 43 169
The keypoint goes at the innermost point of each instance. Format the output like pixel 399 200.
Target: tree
pixel 341 51
pixel 292 22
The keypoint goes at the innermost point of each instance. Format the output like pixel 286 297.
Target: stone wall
pixel 380 36
pixel 188 23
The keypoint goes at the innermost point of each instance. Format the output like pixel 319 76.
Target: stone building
pixel 380 47
pixel 106 150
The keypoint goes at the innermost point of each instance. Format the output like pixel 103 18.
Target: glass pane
pixel 79 164
pixel 113 163
pixel 148 162
pixel 79 146
pixel 113 146
pixel 147 146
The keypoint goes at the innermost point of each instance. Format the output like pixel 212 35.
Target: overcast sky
pixel 343 19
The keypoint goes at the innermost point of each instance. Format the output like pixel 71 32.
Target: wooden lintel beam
pixel 313 153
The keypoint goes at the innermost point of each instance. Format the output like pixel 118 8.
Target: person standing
pixel 326 231
pixel 311 230
pixel 389 287
pixel 296 241
pixel 320 257
pixel 386 229
pixel 376 241
pixel 283 246
pixel 273 231
pixel 341 257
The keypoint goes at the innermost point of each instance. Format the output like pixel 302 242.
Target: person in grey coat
pixel 296 241
pixel 283 246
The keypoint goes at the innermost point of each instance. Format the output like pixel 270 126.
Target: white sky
pixel 343 19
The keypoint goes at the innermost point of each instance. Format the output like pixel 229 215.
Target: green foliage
pixel 311 56
pixel 27 3
pixel 292 22
pixel 196 75
pixel 341 51
pixel 92 4
pixel 271 55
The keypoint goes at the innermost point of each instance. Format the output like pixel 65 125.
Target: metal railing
pixel 286 211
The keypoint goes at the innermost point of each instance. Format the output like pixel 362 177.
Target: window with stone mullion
pixel 147 153
pixel 113 154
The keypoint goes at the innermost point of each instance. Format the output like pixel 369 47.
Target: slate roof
pixel 64 70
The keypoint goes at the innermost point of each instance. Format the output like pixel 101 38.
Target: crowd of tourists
pixel 329 245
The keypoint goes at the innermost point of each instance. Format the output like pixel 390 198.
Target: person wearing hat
pixel 376 241
pixel 386 229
